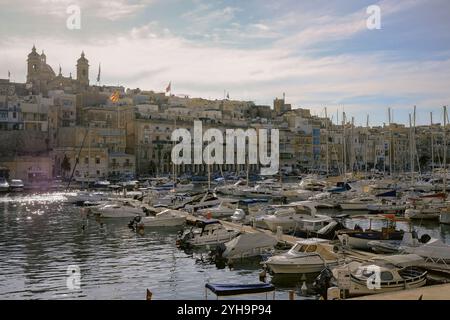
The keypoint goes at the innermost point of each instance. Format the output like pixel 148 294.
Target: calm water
pixel 41 237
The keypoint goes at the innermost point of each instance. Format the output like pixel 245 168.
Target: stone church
pixel 41 78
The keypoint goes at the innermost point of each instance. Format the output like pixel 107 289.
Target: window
pixel 97 160
pixel 386 276
pixel 86 160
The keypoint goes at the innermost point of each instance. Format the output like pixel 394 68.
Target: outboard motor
pixel 323 282
pixel 134 222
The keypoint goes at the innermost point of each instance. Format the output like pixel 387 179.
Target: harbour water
pixel 41 236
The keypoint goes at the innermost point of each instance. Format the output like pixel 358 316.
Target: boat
pixel 102 184
pixel 125 209
pixel 79 198
pixel 222 290
pixel 4 185
pixel 247 245
pixel 165 218
pixel 16 185
pixel 360 203
pixel 383 274
pixel 358 239
pixel 294 216
pixel 208 200
pixel 387 207
pixel 223 210
pixel 320 228
pixel 306 256
pixel 206 232
pixel 426 211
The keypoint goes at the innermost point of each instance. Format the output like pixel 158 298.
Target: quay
pixel 436 292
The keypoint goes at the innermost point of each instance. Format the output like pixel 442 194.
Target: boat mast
pixel 89 156
pixel 411 152
pixel 344 156
pixel 432 142
pixel 366 143
pixel 445 150
pixel 326 130
pixel 390 143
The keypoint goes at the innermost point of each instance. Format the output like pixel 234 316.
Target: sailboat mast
pixel 326 130
pixel 344 155
pixel 432 142
pixel 390 143
pixel 366 144
pixel 411 151
pixel 445 149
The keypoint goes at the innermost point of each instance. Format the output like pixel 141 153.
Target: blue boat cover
pixel 235 289
pixel 392 193
pixel 250 201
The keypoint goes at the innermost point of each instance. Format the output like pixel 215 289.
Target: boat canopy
pixel 237 289
pixel 401 260
pixel 249 241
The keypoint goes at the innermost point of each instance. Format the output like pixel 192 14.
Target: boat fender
pixel 345 240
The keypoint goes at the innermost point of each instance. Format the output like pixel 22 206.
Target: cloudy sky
pixel 320 53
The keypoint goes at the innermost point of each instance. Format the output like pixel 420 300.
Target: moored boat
pixel 306 256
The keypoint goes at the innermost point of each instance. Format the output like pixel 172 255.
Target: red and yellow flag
pixel 115 96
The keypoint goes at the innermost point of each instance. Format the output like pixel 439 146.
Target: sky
pixel 319 53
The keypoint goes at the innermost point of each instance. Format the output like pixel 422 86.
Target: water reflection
pixel 41 236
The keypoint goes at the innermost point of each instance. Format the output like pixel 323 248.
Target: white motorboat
pixel 234 189
pixel 207 201
pixel 292 217
pixel 16 185
pixel 306 256
pixel 384 274
pixel 102 184
pixel 125 209
pixel 427 211
pixel 249 245
pixel 207 232
pixel 360 203
pixel 223 210
pixel 86 196
pixel 165 218
pixel 4 185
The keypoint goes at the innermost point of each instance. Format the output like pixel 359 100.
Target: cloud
pixel 214 50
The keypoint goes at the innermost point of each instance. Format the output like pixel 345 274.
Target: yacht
pixel 207 232
pixel 426 211
pixel 306 256
pixel 292 217
pixel 125 209
pixel 165 218
pixel 223 210
pixel 360 203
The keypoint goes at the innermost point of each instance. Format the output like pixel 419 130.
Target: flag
pixel 115 96
pixel 169 87
pixel 9 74
pixel 228 95
pixel 98 76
